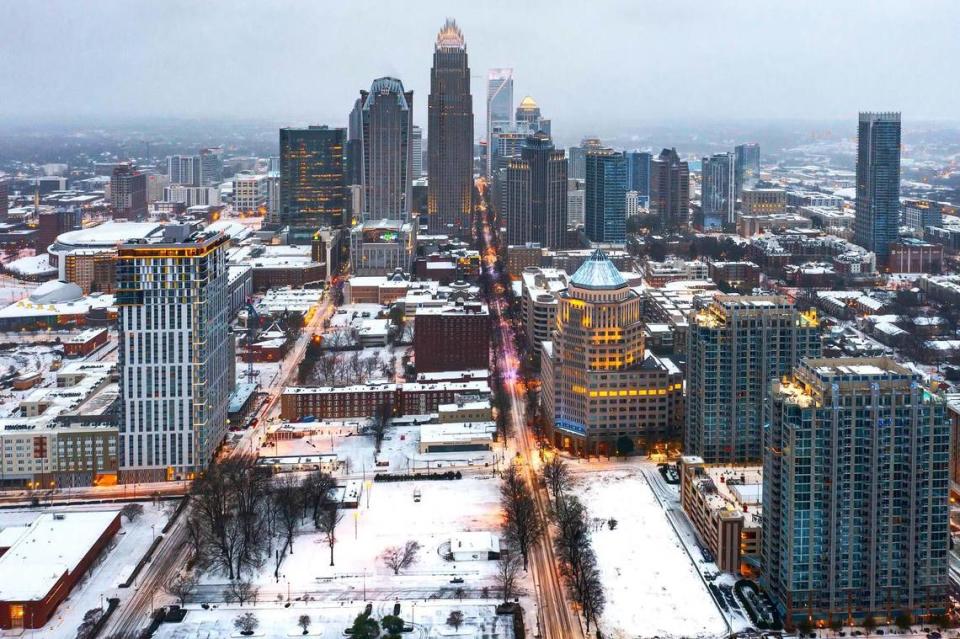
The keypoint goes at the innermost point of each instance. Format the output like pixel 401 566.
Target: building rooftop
pixel 598 273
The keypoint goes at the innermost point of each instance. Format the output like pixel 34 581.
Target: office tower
pixel 576 201
pixel 184 169
pixel 128 192
pixel 313 185
pixel 528 113
pixel 176 354
pixel 450 136
pixel 416 151
pixel 878 183
pixel 735 346
pixel 353 150
pixel 250 192
pixel 718 199
pixel 605 205
pixel 670 189
pixel 537 194
pixel 211 166
pixel 754 201
pixel 578 157
pixel 602 392
pixel 917 214
pixel 855 493
pixel 747 166
pixel 499 106
pixel 385 116
pixel 633 204
pixel 638 172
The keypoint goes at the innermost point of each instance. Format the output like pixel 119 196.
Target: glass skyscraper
pixel 499 106
pixel 537 194
pixel 747 158
pixel 878 183
pixel 605 207
pixel 450 136
pixel 717 187
pixel 313 185
pixel 638 172
pixel 670 189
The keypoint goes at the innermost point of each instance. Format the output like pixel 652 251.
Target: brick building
pixel 452 337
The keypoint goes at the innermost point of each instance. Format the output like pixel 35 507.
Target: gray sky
pixel 585 61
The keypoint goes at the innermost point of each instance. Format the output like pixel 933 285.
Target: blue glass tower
pixel 605 207
pixel 878 182
pixel 638 172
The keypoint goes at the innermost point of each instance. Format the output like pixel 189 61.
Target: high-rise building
pixel 313 185
pixel 128 192
pixel 578 157
pixel 735 346
pixel 718 199
pixel 528 112
pixel 606 196
pixel 576 201
pixel 4 200
pixel 416 151
pixel 537 194
pixel 450 136
pixel 499 105
pixel 670 189
pixel 211 166
pixel 602 391
pixel 176 356
pixel 385 114
pixel 855 493
pixel 878 182
pixel 917 214
pixel 184 169
pixel 747 166
pixel 250 192
pixel 638 172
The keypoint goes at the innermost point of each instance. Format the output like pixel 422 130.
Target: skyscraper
pixel 128 192
pixel 537 194
pixel 718 199
pixel 184 169
pixel 578 157
pixel 735 346
pixel 670 189
pixel 416 151
pixel 747 161
pixel 878 183
pixel 4 200
pixel 528 112
pixel 499 106
pixel 176 356
pixel 211 166
pixel 385 114
pixel 855 493
pixel 450 136
pixel 605 207
pixel 638 172
pixel 602 392
pixel 313 188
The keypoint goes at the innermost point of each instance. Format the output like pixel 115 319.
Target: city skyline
pixel 909 79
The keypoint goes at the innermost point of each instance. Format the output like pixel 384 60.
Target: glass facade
pixel 605 208
pixel 313 186
pixel 878 182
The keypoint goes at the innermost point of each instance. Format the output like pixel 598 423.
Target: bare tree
pixel 508 574
pixel 328 368
pixel 455 619
pixel 304 622
pixel 241 591
pixel 523 526
pixel 288 500
pixel 381 419
pixel 399 557
pixel 246 623
pixel 132 511
pixel 182 586
pixel 330 516
pixel 592 599
pixel 316 487
pixel 556 474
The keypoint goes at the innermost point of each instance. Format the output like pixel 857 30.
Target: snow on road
pixel 652 588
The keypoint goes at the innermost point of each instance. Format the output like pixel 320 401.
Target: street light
pixel 356 520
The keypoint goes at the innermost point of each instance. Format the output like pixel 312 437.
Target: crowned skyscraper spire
pixel 450 136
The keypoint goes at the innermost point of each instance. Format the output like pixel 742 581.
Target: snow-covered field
pixel 329 620
pixel 653 588
pixel 115 564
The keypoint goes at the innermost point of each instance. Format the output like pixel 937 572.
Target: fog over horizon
pixel 592 67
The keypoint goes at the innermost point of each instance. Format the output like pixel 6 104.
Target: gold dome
pixel 528 104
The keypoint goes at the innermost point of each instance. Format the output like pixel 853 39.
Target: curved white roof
pixel 109 234
pixel 55 291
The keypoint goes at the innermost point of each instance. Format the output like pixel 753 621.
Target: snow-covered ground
pixel 652 586
pixel 328 620
pixel 115 564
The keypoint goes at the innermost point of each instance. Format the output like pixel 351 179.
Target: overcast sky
pixel 585 61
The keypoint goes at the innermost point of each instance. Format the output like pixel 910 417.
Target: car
pixel 457 580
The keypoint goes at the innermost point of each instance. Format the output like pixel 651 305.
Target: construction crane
pixel 253 320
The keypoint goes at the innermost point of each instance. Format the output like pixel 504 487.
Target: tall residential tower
pixel 878 183
pixel 537 194
pixel 606 196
